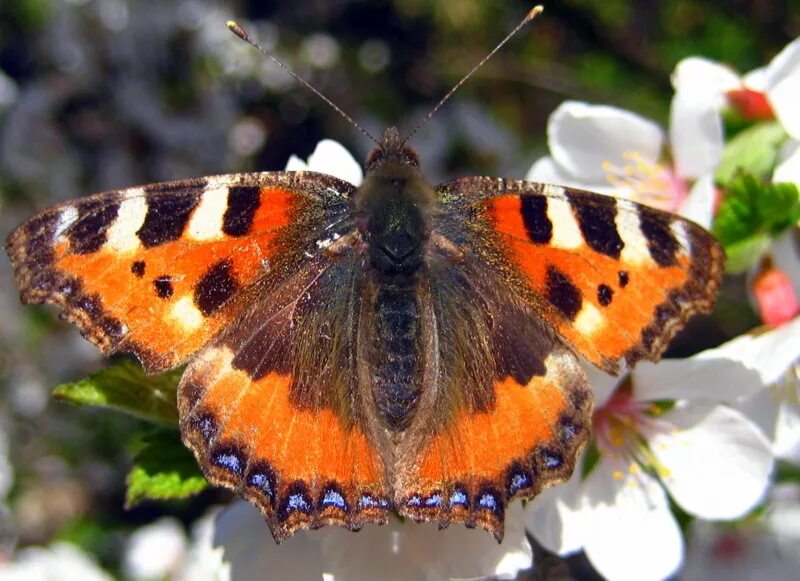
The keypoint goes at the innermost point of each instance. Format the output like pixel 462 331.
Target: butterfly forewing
pixel 159 270
pixel 614 278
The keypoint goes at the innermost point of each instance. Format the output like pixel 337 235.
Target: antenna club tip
pixel 535 11
pixel 236 29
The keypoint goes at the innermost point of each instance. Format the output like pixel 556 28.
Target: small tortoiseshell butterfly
pixel 357 350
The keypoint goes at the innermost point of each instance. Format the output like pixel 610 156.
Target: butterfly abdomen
pixel 394 356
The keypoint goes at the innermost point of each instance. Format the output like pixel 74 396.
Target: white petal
pixel 784 97
pixel 705 76
pixel 785 254
pixel 332 158
pixel 734 370
pixel 699 204
pixel 554 517
pixel 582 137
pixel 630 531
pixel 715 463
pixel 252 553
pixel 296 164
pixel 788 169
pixel 756 80
pixel 783 87
pixel 547 171
pixel 410 551
pixel 602 384
pixel 154 551
pixel 696 135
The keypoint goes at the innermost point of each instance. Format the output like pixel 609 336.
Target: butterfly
pixel 353 351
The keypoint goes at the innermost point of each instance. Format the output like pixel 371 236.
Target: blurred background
pixel 104 94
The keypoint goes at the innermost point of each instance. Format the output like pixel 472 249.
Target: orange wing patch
pixel 527 441
pixel 155 270
pixel 302 468
pixel 615 279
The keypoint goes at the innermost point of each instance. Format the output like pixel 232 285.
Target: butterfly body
pixel 393 346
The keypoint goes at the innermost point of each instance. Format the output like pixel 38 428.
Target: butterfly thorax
pixel 394 206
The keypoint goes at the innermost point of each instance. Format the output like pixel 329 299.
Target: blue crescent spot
pixel 230 461
pixel 519 480
pixel 489 501
pixel 433 500
pixel 333 498
pixel 297 502
pixel 262 481
pixel 458 498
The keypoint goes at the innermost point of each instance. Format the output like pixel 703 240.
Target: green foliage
pixel 753 151
pixel 751 213
pixel 163 470
pixel 124 387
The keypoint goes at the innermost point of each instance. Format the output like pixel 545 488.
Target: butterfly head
pixel 393 206
pixel 392 149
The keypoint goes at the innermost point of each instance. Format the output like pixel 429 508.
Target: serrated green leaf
pixel 753 151
pixel 741 255
pixel 124 386
pixel 163 470
pixel 752 212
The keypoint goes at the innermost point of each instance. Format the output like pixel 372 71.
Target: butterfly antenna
pixel 237 29
pixel 535 11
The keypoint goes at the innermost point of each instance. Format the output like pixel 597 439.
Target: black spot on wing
pixel 215 288
pixel 88 233
pixel 624 278
pixel 534 216
pixel 138 268
pixel 597 221
pixel 604 295
pixel 563 293
pixel 168 211
pixel 163 286
pixel 243 201
pixel 661 242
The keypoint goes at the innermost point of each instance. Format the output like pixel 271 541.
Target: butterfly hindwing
pixel 159 270
pixel 272 408
pixel 615 279
pixel 507 405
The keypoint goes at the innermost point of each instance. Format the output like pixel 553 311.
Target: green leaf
pixel 163 470
pixel 125 387
pixel 740 255
pixel 752 212
pixel 753 151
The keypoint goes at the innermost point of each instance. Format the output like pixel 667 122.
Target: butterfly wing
pixel 523 278
pixel 159 270
pixel 615 279
pixel 272 410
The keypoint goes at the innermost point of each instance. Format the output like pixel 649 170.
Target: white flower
pixel 332 158
pixel 236 544
pixel 710 458
pixel 709 87
pixel 763 548
pixel 58 562
pixel 613 151
pixel 154 551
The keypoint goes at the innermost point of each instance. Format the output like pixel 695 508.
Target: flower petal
pixel 630 531
pixel 696 132
pixel 410 551
pixel 788 169
pixel 554 518
pixel 782 79
pixel 699 204
pixel 332 158
pixel 734 370
pixel 252 553
pixel 547 171
pixel 715 463
pixel 582 137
